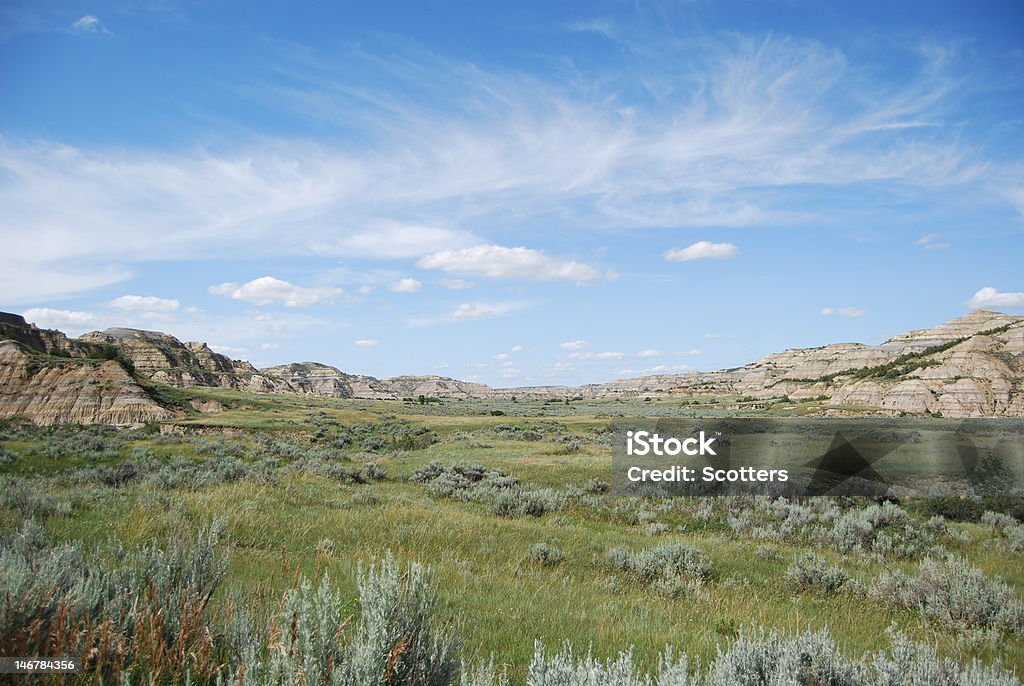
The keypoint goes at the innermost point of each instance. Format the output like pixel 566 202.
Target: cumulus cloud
pixel 990 297
pixel 843 311
pixel 145 303
pixel 366 342
pixel 499 262
pixel 648 353
pixel 518 348
pixel 406 285
pixel 46 318
pixel 483 310
pixel 270 346
pixel 574 345
pixel 702 250
pixel 89 24
pixel 930 241
pixel 502 356
pixel 267 290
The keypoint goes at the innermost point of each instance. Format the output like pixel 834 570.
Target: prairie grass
pixel 293 514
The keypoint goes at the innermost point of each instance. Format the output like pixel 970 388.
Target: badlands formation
pixel 972 366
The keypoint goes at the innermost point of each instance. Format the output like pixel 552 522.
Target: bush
pixel 669 567
pixel 812 572
pixel 501 493
pixel 397 640
pixel 544 554
pixel 145 615
pixel 953 593
pixel 884 529
pixel 760 659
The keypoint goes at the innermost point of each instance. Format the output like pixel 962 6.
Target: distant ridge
pixel 972 366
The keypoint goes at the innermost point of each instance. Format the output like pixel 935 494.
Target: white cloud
pixel 499 262
pixel 366 342
pixel 365 290
pixel 89 24
pixel 145 303
pixel 930 241
pixel 990 297
pixel 843 311
pixel 502 356
pixel 574 345
pixel 391 240
pixel 406 285
pixel 228 349
pixel 745 128
pixel 657 369
pixel 483 310
pixel 648 353
pixel 693 352
pixel 47 318
pixel 456 284
pixel 702 250
pixel 596 356
pixel 518 348
pixel 267 290
pixel 270 346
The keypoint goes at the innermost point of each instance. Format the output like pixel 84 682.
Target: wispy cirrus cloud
pixel 930 241
pixel 740 132
pixel 843 311
pixel 484 310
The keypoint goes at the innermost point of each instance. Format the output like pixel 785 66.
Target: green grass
pixel 503 601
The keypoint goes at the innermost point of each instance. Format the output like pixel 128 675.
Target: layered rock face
pixel 323 380
pixel 165 359
pixel 54 390
pixel 972 366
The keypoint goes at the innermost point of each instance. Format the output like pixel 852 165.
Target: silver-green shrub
pixel 812 572
pixel 953 593
pixel 669 567
pixel 769 659
pixel 545 554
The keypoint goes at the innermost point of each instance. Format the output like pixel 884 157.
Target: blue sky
pixel 533 194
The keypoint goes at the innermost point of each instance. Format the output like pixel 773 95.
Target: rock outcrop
pixel 972 366
pixel 163 358
pixel 48 389
pixel 320 379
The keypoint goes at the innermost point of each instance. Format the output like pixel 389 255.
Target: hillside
pixel 50 379
pixel 972 366
pixel 163 358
